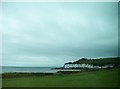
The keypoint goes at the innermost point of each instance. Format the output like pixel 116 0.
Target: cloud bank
pixel 49 34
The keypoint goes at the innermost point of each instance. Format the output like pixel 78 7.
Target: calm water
pixel 28 69
pixel 6 69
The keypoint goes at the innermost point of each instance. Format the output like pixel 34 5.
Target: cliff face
pixel 87 66
pixel 94 63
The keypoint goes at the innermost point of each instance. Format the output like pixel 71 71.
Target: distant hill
pixel 100 61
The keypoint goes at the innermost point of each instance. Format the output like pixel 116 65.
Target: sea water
pixel 9 69
pixel 6 69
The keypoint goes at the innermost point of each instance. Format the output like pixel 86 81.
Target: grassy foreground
pixel 100 78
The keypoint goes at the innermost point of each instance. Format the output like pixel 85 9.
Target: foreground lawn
pixel 100 78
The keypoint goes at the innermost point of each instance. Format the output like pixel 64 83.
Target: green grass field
pixel 100 78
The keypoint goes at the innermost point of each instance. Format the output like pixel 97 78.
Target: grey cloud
pixel 49 34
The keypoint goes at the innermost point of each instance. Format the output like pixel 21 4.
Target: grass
pixel 100 78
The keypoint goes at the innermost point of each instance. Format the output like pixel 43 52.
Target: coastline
pixel 96 78
pixel 42 74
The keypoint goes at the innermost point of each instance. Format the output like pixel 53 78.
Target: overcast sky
pixel 50 34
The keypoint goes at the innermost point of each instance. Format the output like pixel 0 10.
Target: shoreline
pixel 103 77
pixel 42 74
